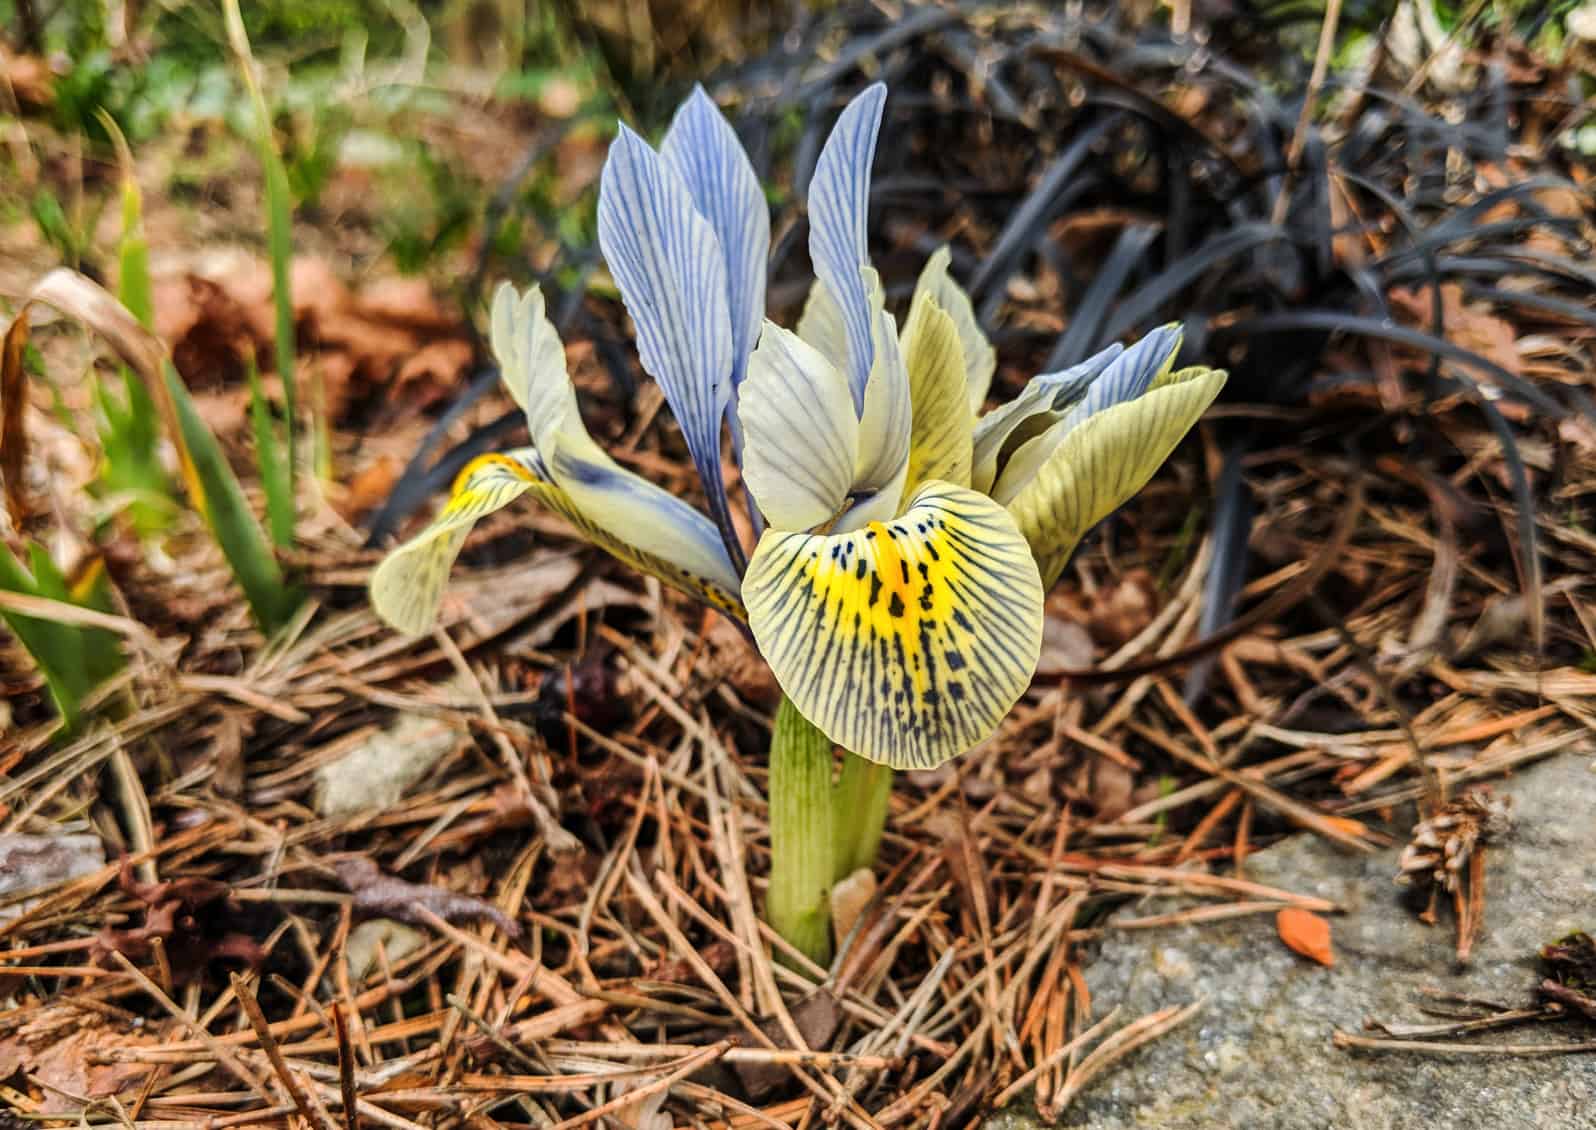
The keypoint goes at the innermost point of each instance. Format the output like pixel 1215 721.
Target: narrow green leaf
pixel 56 648
pixel 279 228
pixel 269 460
pixel 130 439
pixel 227 513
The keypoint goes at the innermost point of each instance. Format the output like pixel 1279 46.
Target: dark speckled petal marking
pixel 905 641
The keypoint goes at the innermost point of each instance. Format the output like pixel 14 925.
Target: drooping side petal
pixel 1127 377
pixel 1030 413
pixel 802 434
pixel 839 203
pixel 667 261
pixel 980 359
pixel 636 521
pixel 704 149
pixel 940 438
pixel 644 525
pixel 906 642
pixel 407 587
pixel 1104 461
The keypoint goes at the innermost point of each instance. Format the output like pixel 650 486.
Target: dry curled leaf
pixel 191 918
pixel 390 897
pixel 1306 933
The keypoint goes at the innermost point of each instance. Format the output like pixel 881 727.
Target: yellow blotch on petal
pixel 906 641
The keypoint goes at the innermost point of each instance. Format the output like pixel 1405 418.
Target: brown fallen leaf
pixel 1471 325
pixel 369 487
pixel 405 302
pixel 1306 933
pixel 1111 788
pixel 69 1067
pixel 817 1018
pixel 31 78
pixel 191 918
pixel 1066 646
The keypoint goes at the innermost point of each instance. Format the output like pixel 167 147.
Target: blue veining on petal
pixel 1127 377
pixel 839 204
pixel 702 146
pixel 667 260
pixel 674 532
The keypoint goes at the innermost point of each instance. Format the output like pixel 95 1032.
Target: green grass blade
pixel 227 513
pixel 269 459
pixel 130 437
pixel 57 649
pixel 279 230
pixel 207 476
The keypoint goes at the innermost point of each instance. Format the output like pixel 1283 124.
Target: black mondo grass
pixel 1095 179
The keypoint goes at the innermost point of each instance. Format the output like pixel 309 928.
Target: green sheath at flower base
pixel 803 856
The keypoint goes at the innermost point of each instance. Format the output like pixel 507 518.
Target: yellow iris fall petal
pixel 906 641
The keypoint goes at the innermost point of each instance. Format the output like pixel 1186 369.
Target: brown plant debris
pixel 580 865
pixel 1443 844
pixel 1447 853
pixel 1572 965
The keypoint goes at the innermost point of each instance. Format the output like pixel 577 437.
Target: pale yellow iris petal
pixel 1029 414
pixel 407 587
pixel 908 641
pixel 980 359
pixel 532 363
pixel 1100 463
pixel 1144 366
pixel 940 438
pixel 643 525
pixel 888 416
pixel 802 436
pixel 821 326
pixel 884 430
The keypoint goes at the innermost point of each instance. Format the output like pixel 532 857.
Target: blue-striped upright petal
pixel 668 263
pixel 704 149
pixel 839 204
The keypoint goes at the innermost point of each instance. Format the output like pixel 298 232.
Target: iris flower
pixel 908 538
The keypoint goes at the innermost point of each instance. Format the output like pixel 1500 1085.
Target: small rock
pixel 34 863
pixel 376 773
pixel 396 939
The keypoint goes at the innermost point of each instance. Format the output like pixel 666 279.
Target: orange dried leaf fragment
pixel 1306 933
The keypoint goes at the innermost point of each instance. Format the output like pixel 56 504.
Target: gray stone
pixel 36 863
pixel 1260 1053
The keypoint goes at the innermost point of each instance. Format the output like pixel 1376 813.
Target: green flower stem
pixel 861 803
pixel 803 842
